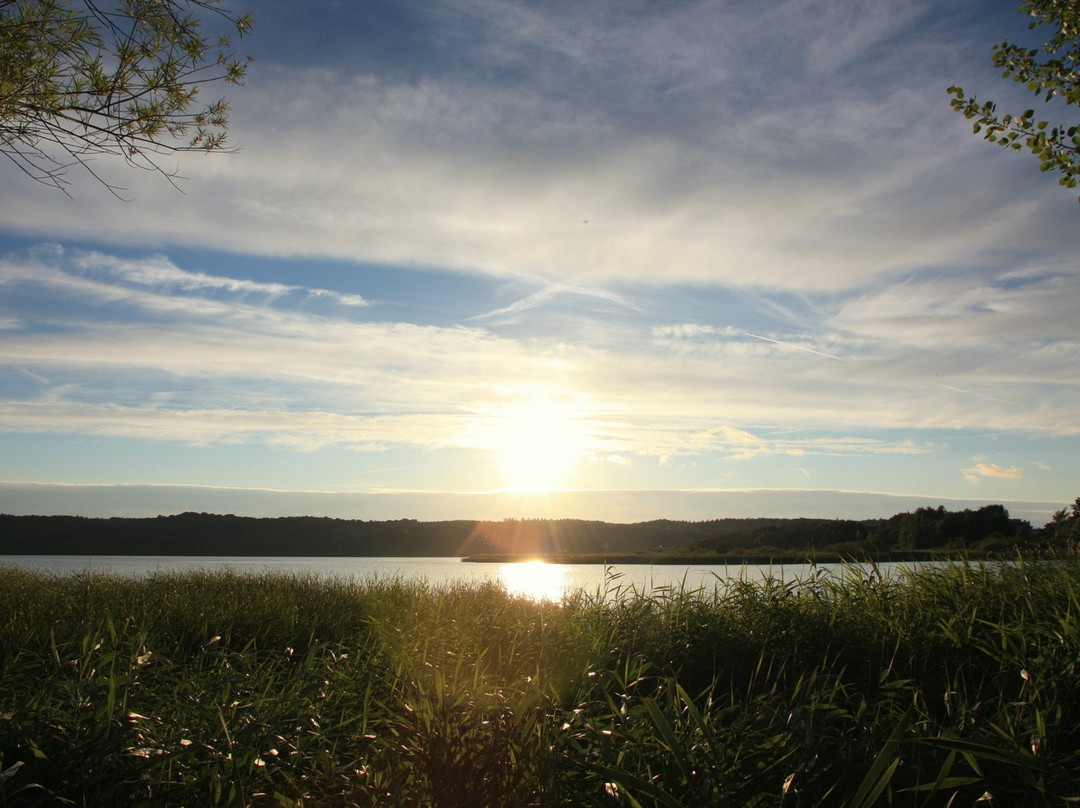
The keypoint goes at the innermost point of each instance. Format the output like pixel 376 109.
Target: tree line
pixel 986 529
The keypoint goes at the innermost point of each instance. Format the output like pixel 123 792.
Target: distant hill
pixel 207 534
pixel 204 534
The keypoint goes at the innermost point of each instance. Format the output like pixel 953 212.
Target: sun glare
pixel 538 443
pixel 536 580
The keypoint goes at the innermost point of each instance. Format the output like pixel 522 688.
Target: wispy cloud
pixel 963 309
pixel 981 471
pixel 692 330
pixel 664 439
pixel 301 431
pixel 158 272
pixel 35 376
pixel 151 285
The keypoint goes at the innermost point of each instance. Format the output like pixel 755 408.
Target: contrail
pixel 974 393
pixel 795 347
pixel 550 291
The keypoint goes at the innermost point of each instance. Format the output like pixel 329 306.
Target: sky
pixel 611 260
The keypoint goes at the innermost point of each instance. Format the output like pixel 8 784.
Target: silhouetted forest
pixel 987 529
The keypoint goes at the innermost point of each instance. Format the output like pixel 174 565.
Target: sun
pixel 538 442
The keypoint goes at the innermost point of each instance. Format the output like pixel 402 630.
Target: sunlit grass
pixel 229 689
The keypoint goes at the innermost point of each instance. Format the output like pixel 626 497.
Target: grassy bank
pixel 224 689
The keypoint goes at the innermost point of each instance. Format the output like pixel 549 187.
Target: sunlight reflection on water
pixel 536 580
pixel 533 579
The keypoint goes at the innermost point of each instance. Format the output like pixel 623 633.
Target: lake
pixel 533 579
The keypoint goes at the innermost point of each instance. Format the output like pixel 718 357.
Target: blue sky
pixel 613 260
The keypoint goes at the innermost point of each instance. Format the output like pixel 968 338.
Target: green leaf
pixel 881 771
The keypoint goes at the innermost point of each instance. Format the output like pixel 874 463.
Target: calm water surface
pixel 532 579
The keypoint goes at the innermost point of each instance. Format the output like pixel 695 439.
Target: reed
pixel 949 686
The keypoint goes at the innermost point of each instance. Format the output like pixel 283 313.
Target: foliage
pixel 79 79
pixel 923 529
pixel 666 541
pixel 939 688
pixel 937 527
pixel 1051 73
pixel 1062 533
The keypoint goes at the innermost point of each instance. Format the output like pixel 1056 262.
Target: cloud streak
pixel 159 273
pixel 982 471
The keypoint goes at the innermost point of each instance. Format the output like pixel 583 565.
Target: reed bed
pixel 953 686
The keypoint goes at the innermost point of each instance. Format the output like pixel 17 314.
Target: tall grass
pixel 950 686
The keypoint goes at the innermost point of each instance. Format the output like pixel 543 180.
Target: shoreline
pixel 732 559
